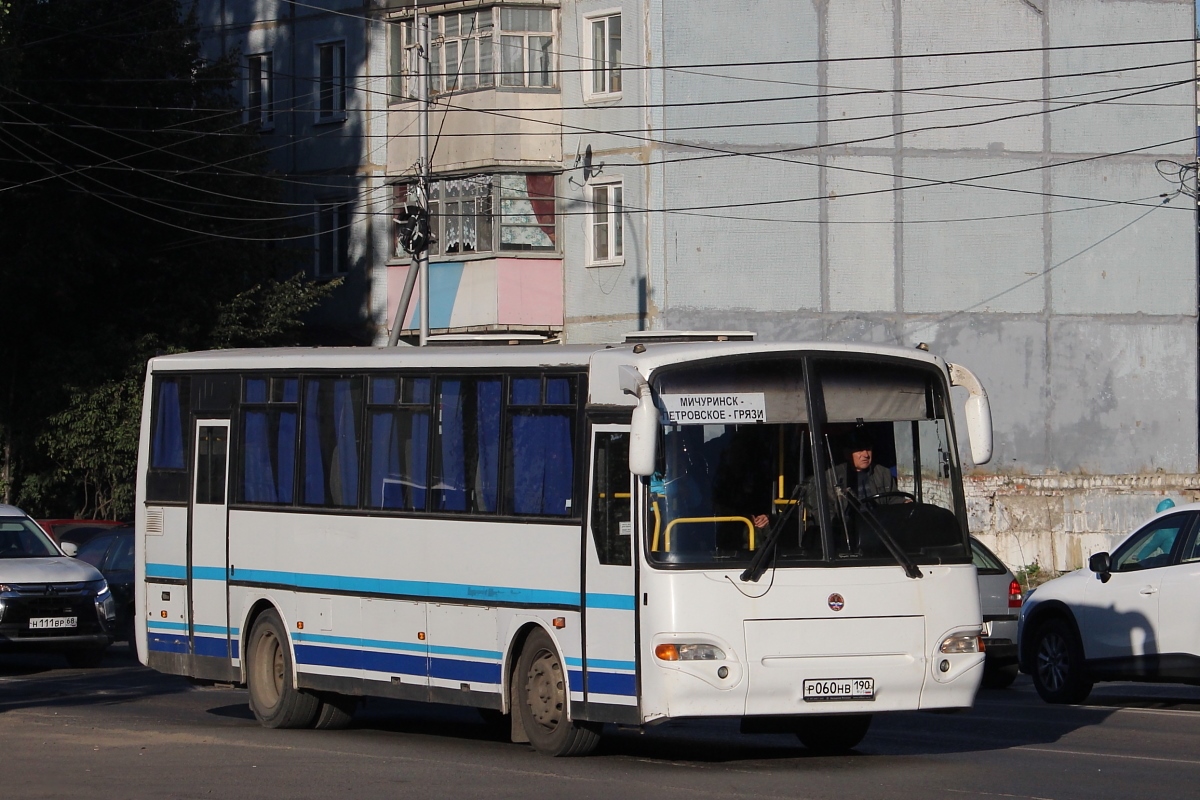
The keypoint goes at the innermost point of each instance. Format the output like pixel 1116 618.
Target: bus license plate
pixel 38 623
pixel 820 690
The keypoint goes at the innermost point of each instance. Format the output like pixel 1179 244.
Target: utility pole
pixel 423 138
pixel 415 235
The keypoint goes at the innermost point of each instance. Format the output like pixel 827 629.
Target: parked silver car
pixel 49 601
pixel 1000 601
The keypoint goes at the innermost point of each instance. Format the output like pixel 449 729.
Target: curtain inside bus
pixel 166 450
pixel 541 468
pixel 269 447
pixel 467 453
pixel 331 445
pixel 399 459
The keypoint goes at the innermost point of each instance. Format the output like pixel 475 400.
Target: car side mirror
pixel 70 548
pixel 1101 564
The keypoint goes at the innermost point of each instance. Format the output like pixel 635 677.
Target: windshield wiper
pixel 758 564
pixel 902 558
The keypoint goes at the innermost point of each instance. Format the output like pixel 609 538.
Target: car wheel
pixel 86 659
pixel 542 693
pixel 999 677
pixel 1059 674
pixel 832 734
pixel 276 703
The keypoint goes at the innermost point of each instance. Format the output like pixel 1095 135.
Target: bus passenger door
pixel 609 603
pixel 208 551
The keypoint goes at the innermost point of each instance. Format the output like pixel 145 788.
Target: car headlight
pixel 689 652
pixel 106 607
pixel 962 642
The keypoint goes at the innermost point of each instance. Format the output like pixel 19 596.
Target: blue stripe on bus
pixel 174 571
pixel 167 644
pixel 623 602
pixel 210 646
pixel 472 671
pixel 482 595
pixel 611 683
pixel 415 647
pixel 166 626
pixel 453 591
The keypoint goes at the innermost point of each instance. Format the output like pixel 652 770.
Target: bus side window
pixel 466 450
pixel 331 442
pixel 167 476
pixel 612 525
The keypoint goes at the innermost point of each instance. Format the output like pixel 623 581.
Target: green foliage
pixel 137 215
pixel 94 445
pixel 268 315
pixel 1030 575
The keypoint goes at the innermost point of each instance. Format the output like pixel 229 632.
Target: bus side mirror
pixel 978 412
pixel 643 428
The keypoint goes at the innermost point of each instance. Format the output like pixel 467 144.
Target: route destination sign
pixel 714 409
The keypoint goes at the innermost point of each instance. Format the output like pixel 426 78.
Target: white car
pixel 1000 601
pixel 1132 615
pixel 48 600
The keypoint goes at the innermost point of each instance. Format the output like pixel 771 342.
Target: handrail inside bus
pixel 692 520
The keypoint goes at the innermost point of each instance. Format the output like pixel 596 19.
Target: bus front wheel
pixel 833 734
pixel 542 693
pixel 276 703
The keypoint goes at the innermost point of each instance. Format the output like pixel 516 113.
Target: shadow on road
pixel 42 680
pixel 1002 719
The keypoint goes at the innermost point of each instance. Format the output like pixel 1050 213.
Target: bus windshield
pixel 872 479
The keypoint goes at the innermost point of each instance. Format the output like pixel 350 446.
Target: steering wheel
pixel 908 498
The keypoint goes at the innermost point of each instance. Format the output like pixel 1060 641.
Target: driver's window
pixel 1151 547
pixel 1191 548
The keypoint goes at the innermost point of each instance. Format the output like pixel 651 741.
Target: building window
pixel 526 42
pixel 260 97
pixel 461 51
pixel 606 224
pixel 460 212
pixel 604 52
pixel 484 213
pixel 527 218
pixel 401 52
pixel 331 83
pixel 333 238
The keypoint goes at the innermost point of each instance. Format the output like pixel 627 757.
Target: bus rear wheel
pixel 542 696
pixel 832 734
pixel 276 703
pixel 336 711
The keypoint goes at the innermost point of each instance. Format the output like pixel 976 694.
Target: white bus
pixel 567 535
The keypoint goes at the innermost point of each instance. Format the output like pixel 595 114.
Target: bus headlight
pixel 962 642
pixel 689 652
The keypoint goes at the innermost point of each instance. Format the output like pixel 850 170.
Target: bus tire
pixel 834 734
pixel 1059 674
pixel 542 694
pixel 276 703
pixel 336 712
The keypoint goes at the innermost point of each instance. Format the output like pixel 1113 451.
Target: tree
pixel 137 215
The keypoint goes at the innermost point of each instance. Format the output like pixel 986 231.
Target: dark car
pixel 76 531
pixel 111 552
pixel 48 601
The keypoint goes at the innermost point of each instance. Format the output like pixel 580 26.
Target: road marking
pixel 998 794
pixel 1056 751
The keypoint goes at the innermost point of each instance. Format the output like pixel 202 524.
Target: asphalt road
pixel 126 731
